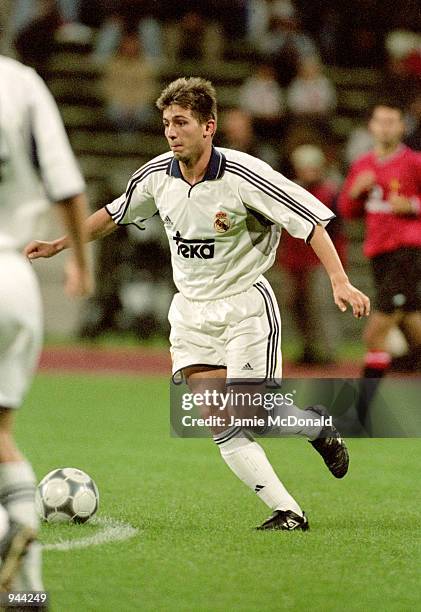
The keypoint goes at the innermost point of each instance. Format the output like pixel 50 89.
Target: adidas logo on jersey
pixel 168 222
pixel 247 366
pixel 191 249
pixel 258 488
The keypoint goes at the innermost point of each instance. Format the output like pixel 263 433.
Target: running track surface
pixel 156 362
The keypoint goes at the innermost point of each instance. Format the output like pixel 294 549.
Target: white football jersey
pixel 223 232
pixel 37 164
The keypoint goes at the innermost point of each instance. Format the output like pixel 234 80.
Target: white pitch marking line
pixel 112 531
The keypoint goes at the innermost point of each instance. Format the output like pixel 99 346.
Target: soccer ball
pixel 67 495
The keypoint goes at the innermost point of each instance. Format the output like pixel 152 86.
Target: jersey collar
pixel 215 169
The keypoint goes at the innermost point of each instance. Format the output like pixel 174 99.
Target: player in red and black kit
pixel 384 187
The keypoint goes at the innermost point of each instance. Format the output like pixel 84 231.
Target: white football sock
pixel 17 495
pixel 248 461
pixel 308 430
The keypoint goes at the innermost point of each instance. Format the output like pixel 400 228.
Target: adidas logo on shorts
pixel 247 366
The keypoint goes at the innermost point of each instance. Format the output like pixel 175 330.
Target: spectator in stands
pixel 128 16
pixel 262 97
pixel 403 65
pixel 318 333
pixel 311 94
pixel 404 52
pixel 130 86
pixel 34 40
pixel 285 44
pixel 359 141
pixel 238 133
pixel 260 14
pixel 360 36
pixel 26 14
pixel 194 29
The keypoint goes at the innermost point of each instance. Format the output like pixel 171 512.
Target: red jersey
pixel 296 255
pixel 398 173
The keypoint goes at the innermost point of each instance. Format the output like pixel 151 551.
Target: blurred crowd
pixel 290 42
pixel 365 33
pixel 283 113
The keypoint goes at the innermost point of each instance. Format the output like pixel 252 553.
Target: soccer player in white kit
pixel 223 212
pixel 37 167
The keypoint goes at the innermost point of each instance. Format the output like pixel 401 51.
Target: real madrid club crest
pixel 222 222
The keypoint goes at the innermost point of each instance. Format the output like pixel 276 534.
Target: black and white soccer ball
pixel 67 495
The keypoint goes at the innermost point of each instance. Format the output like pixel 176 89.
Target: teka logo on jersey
pixel 191 249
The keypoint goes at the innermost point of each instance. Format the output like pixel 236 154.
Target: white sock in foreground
pixel 302 422
pixel 17 495
pixel 248 461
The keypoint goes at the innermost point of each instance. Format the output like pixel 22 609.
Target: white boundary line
pixel 112 531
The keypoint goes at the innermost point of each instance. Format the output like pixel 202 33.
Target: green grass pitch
pixel 196 548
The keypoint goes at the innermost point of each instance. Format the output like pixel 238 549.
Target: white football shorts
pixel 20 327
pixel 241 332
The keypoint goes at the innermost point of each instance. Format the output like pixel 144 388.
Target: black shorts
pixel 397 280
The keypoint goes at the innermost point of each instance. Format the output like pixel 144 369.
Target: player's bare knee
pixel 6 419
pixel 8 449
pixel 376 331
pixel 411 327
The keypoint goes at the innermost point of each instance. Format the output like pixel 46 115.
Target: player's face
pixel 386 125
pixel 186 136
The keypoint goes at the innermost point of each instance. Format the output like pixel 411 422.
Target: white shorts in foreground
pixel 241 332
pixel 20 327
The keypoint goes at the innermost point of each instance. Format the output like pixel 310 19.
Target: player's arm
pixel 354 192
pixel 133 207
pixel 343 292
pixel 61 177
pixel 409 205
pixel 97 225
pixel 303 216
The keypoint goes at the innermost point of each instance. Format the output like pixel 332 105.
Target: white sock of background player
pixel 307 430
pixel 248 461
pixel 17 495
pixel 282 411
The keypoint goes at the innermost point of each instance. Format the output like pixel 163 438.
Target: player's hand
pixel 39 248
pixel 79 281
pixel 363 182
pixel 344 293
pixel 400 205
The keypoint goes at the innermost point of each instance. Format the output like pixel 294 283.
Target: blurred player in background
pixel 37 166
pixel 222 211
pixel 384 187
pixel 304 267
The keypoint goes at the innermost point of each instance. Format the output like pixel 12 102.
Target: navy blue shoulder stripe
pixel 273 190
pixel 268 192
pixel 151 164
pixel 143 173
pixel 132 186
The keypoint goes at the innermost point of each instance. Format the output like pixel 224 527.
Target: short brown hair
pixel 386 103
pixel 194 93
